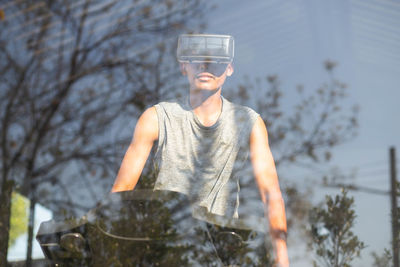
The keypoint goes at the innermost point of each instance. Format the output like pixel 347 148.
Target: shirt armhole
pixel 161 127
pixel 253 118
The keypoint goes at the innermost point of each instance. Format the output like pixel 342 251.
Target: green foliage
pixel 331 237
pixel 175 238
pixel 19 217
pixel 318 120
pixel 382 260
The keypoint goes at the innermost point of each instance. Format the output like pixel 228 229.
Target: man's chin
pixel 206 89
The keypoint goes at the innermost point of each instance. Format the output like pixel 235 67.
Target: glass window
pixel 233 133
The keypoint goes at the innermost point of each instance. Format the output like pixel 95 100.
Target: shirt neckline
pixel 198 122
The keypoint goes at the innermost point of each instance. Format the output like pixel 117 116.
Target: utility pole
pixel 395 217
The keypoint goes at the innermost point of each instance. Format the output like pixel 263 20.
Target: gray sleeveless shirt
pixel 208 164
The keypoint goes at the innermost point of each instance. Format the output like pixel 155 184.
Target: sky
pixel 292 39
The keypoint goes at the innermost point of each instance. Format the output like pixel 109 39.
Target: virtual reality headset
pixel 196 48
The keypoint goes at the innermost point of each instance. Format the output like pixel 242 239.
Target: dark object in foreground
pixel 147 228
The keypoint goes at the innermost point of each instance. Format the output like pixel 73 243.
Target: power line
pixel 373 173
pixel 354 187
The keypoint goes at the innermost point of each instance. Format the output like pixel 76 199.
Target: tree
pixel 331 234
pixel 383 260
pixel 319 120
pixel 68 70
pixel 19 216
pixel 145 227
pixel 303 135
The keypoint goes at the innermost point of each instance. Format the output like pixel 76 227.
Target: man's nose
pixel 203 67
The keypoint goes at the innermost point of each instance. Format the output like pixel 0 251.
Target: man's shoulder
pixel 174 106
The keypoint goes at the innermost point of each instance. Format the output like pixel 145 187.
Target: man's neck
pixel 206 105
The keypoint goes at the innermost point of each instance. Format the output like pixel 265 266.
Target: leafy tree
pixel 383 260
pixel 146 227
pixel 316 122
pixel 73 74
pixel 303 135
pixel 19 216
pixel 331 234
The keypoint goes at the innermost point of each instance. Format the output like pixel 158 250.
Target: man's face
pixel 206 76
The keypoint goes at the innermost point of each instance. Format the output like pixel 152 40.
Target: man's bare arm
pixel 267 181
pixel 146 132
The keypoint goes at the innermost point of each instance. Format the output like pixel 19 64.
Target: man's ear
pixel 229 69
pixel 183 68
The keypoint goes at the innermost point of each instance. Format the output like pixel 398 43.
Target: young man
pixel 204 142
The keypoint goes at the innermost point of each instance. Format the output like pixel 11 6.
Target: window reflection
pixel 76 76
pixel 146 227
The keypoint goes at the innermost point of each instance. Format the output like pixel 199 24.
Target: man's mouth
pixel 205 76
